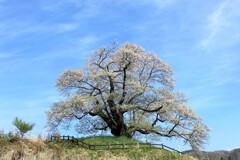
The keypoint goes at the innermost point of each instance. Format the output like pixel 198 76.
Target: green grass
pixel 136 154
pixel 108 140
pixel 133 152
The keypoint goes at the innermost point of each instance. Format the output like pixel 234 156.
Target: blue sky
pixel 199 39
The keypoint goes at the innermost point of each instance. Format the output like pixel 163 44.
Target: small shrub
pixel 22 126
pixel 13 137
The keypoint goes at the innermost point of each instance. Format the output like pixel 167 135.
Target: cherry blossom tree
pixel 127 91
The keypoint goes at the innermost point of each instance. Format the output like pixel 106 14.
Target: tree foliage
pixel 126 90
pixel 23 127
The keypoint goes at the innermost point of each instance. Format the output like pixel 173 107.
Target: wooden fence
pixel 109 146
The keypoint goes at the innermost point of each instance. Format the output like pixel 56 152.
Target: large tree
pixel 126 90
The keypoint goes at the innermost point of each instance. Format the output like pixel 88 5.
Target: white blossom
pixel 126 90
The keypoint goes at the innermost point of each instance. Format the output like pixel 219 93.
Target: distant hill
pixel 215 155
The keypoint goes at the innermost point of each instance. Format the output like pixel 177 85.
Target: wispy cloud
pixel 224 71
pixel 217 19
pixel 25 25
pixel 222 29
pixel 216 22
pixel 5 55
pixel 87 40
pixel 62 27
pixel 157 3
pixel 8 32
pixel 164 3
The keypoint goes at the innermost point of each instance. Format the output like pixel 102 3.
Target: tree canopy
pixel 127 91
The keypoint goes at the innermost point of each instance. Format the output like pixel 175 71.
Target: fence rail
pixel 109 146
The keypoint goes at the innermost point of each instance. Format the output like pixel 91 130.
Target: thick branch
pixel 150 110
pixel 123 86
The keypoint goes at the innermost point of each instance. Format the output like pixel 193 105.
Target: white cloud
pixel 13 28
pixel 87 40
pixel 5 55
pixel 223 28
pixel 217 19
pixel 164 3
pixel 65 27
pixel 157 3
pixel 224 71
pixel 89 8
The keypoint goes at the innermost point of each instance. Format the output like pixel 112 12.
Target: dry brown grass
pixel 36 149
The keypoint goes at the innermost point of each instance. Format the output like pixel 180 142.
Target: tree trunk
pixel 120 131
pixel 118 127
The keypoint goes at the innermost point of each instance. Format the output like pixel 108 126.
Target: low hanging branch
pixel 126 90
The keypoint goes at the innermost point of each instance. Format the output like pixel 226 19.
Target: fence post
pixel 85 145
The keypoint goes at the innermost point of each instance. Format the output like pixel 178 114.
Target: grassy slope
pixel 108 139
pixel 36 149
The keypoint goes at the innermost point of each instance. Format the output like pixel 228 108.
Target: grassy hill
pixel 37 149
